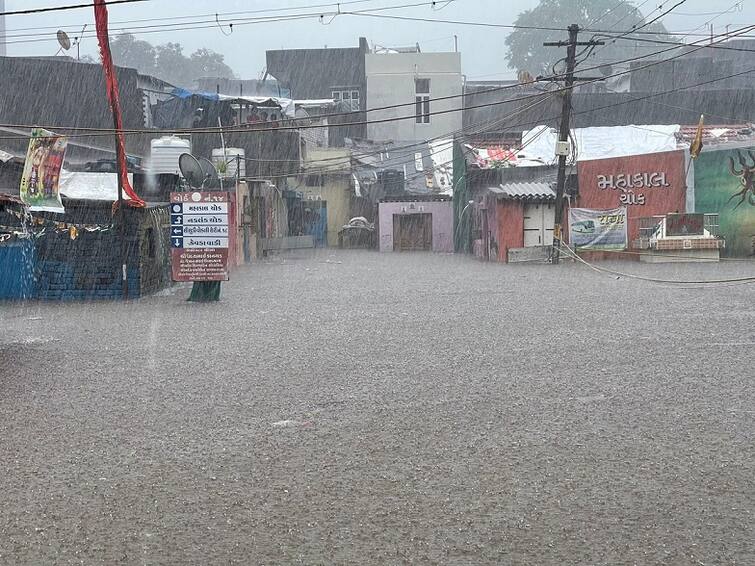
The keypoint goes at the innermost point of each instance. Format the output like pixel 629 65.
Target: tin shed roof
pixel 525 191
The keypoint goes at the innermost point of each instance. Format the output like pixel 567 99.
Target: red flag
pixel 100 18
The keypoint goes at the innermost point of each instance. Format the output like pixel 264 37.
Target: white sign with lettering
pixel 626 182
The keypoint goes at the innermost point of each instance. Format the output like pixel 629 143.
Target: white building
pixel 400 78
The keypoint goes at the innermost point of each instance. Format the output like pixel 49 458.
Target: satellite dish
pixel 209 171
pixel 191 170
pixel 606 70
pixel 63 40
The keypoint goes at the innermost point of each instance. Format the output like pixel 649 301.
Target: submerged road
pixel 359 408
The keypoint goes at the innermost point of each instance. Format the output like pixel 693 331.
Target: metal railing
pixel 712 226
pixel 651 226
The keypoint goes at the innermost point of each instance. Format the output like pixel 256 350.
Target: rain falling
pixel 377 282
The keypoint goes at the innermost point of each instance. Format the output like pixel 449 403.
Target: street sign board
pixel 199 235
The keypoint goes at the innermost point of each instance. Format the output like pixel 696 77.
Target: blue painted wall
pixel 17 270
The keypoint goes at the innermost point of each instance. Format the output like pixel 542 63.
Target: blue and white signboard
pixel 199 235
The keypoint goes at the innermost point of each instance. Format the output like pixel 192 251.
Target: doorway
pixel 315 221
pixel 412 232
pixel 538 224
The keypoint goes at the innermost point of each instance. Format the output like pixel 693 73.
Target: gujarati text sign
pixel 199 235
pixel 598 229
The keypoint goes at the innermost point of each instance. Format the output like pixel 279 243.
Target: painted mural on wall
pixel 647 185
pixel 725 183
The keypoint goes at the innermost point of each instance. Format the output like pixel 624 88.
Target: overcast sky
pixel 482 48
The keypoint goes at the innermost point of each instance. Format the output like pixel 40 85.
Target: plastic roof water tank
pixel 165 152
pixel 226 165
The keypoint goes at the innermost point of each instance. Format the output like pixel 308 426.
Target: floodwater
pixel 367 408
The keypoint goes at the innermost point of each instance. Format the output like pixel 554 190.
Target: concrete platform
pixel 680 256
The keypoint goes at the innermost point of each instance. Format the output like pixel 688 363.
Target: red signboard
pixel 648 185
pixel 199 235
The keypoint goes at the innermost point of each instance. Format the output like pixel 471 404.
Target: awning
pixel 525 191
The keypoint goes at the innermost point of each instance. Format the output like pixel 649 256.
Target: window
pixel 348 97
pixel 422 101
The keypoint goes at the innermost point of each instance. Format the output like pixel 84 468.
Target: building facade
pixel 326 185
pixel 393 79
pixel 419 223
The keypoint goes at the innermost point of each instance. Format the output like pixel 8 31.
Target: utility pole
pixel 563 136
pixel 122 232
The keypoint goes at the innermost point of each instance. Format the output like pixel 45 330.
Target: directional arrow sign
pixel 200 235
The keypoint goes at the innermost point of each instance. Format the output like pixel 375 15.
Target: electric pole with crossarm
pixel 562 147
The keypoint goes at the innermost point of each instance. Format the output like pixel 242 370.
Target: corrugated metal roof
pixel 528 191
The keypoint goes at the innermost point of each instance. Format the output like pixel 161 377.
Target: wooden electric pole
pixel 563 136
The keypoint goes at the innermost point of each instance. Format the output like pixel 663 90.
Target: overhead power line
pixel 658 17
pixel 663 42
pixel 505 26
pixel 214 21
pixel 94 132
pixel 189 17
pixel 98 132
pixel 68 7
pixel 539 121
pixel 715 17
pixel 226 18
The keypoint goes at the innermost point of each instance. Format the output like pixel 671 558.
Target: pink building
pixel 416 223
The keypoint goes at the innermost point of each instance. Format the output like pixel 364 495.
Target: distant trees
pixel 525 46
pixel 167 61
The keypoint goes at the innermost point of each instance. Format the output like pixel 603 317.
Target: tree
pixel 167 61
pixel 129 52
pixel 208 63
pixel 172 65
pixel 525 46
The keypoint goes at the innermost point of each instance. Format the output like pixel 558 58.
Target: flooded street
pixel 365 408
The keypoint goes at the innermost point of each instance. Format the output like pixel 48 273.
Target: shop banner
pixel 44 160
pixel 598 229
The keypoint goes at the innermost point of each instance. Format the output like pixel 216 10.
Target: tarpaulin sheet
pixel 600 142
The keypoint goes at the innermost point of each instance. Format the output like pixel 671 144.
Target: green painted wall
pixel 715 191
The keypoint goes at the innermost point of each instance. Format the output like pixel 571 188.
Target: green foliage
pixel 525 46
pixel 167 61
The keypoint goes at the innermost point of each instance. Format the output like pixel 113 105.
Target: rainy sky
pixel 482 48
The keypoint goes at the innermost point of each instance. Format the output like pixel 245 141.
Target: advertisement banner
pixel 39 181
pixel 598 229
pixel 725 184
